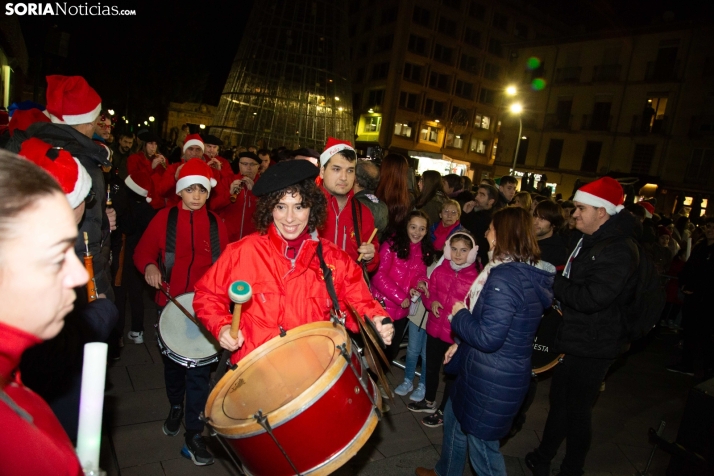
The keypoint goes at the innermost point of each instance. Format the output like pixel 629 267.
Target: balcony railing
pixel 570 74
pixel 607 72
pixel 596 123
pixel 641 125
pixel 558 122
pixel 662 72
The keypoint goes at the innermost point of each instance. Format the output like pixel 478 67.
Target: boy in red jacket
pixel 194 251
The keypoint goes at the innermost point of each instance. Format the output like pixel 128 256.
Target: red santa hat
pixel 649 209
pixel 72 177
pixel 193 139
pixel 22 119
pixel 140 183
pixel 332 147
pixel 71 100
pixel 195 171
pixel 604 192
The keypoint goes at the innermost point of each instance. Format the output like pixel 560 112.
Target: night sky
pixel 171 53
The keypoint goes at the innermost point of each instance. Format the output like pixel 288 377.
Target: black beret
pixel 149 137
pixel 306 153
pixel 249 155
pixel 284 174
pixel 211 140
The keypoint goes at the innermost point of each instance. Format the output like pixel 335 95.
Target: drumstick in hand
pixel 240 293
pixel 371 237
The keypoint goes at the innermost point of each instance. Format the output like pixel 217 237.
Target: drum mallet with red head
pixel 240 293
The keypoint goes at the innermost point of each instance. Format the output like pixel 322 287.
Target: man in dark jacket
pixel 73 106
pixel 366 181
pixel 592 291
pixel 476 217
pixel 547 222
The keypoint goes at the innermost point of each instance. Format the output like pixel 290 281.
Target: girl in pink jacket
pixel 450 282
pixel 403 260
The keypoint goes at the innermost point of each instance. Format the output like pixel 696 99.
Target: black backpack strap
pixel 329 283
pixel 215 238
pixel 170 254
pixel 357 220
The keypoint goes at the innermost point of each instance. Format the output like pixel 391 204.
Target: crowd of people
pixel 463 271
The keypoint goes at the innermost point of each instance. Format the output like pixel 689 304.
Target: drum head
pixel 280 378
pixel 544 356
pixel 182 336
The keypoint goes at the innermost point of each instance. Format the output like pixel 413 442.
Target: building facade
pixel 632 104
pixel 196 115
pixel 428 77
pixel 289 83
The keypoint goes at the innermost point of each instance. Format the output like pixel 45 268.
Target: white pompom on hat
pixel 195 171
pixel 72 177
pixel 71 100
pixel 605 192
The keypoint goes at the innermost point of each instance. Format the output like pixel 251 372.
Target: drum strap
pixel 171 226
pixel 358 236
pixel 327 273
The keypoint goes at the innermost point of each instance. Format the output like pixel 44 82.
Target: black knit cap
pixel 284 174
pixel 249 155
pixel 211 139
pixel 149 137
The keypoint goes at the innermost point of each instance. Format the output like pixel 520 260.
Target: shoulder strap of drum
pixel 170 242
pixel 357 221
pixel 329 283
pixel 215 238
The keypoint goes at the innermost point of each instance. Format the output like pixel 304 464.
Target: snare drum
pixel 302 403
pixel 182 340
pixel 544 357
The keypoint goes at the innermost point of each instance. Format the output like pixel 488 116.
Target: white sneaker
pixel 136 337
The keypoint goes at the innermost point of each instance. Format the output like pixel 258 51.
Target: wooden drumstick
pixel 371 237
pixel 240 293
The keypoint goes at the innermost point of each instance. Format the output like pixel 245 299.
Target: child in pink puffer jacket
pixel 404 258
pixel 450 282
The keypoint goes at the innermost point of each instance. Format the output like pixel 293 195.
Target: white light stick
pixel 91 404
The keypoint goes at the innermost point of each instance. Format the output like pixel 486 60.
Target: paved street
pixel 639 394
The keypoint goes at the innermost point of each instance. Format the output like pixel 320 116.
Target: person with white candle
pixel 37 258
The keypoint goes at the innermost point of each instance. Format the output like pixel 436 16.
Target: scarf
pixel 480 282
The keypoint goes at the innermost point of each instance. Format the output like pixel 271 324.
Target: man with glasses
pixel 236 203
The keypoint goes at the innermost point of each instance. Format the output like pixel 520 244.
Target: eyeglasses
pixel 449 212
pixel 248 164
pixel 104 126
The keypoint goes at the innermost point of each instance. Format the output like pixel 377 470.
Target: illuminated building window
pixel 482 122
pixel 372 124
pixel 404 130
pixel 479 146
pixel 429 134
pixel 454 141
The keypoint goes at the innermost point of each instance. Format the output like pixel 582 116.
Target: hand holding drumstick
pixel 230 337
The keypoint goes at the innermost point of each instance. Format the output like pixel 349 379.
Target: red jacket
pixel 339 228
pixel 286 293
pixel 238 216
pixel 40 447
pixel 193 248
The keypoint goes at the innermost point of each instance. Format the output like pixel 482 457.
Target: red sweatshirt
pixel 339 228
pixel 193 248
pixel 37 447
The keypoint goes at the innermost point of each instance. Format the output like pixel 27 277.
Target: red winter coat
pixel 193 248
pixel 237 216
pixel 396 277
pixel 138 164
pixel 40 447
pixel 339 228
pixel 286 293
pixel 447 287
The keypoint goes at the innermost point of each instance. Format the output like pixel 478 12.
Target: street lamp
pixel 151 118
pixel 517 108
pixel 511 90
pixel 111 112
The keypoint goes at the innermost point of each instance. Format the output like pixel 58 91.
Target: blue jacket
pixel 493 361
